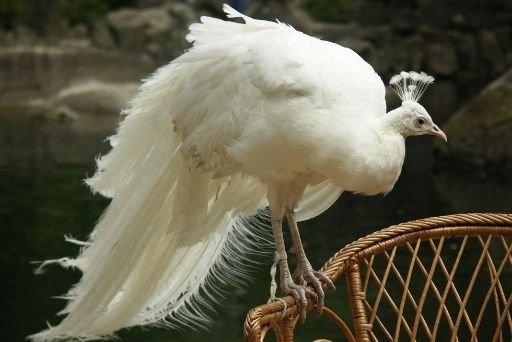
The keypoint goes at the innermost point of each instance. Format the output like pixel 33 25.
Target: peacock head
pixel 415 119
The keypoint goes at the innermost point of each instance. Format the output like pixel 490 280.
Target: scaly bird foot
pixel 306 276
pixel 300 293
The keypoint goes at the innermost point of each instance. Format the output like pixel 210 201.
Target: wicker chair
pixel 459 266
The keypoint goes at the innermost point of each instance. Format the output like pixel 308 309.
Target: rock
pixel 134 28
pixel 58 114
pixel 441 100
pixel 467 50
pixel 158 32
pixel 24 35
pixel 386 57
pixel 460 22
pixel 481 132
pixel 183 12
pixel 102 35
pixel 413 46
pixel 41 71
pixel 441 59
pixel 503 18
pixel 79 31
pixel 96 98
pixel 75 43
pixel 405 23
pixel 148 3
pixel 490 49
pixel 128 28
pixel 503 36
pixel 383 58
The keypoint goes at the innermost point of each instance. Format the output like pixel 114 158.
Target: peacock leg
pixel 304 271
pixel 288 286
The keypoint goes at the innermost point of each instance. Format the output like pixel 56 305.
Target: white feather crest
pixel 411 85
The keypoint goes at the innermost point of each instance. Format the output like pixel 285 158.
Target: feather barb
pixel 411 85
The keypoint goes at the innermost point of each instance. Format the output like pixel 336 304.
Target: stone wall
pixel 464 44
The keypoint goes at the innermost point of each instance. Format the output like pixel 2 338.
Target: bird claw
pixel 315 279
pixel 328 282
pixel 300 290
pixel 300 293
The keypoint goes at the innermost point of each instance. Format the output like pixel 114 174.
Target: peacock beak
pixel 436 131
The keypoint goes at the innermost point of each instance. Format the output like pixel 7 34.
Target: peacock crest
pixel 410 86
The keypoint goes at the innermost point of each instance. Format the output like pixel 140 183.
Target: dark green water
pixel 42 198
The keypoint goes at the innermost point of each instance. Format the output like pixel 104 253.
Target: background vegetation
pixel 45 14
pixel 39 14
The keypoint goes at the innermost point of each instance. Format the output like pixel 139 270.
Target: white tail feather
pixel 149 257
pixel 317 199
pixel 145 272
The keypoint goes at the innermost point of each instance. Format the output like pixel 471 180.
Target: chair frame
pixel 282 316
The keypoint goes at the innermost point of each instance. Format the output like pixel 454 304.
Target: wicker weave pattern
pixel 394 274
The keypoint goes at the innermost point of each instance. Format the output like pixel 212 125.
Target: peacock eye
pixel 420 122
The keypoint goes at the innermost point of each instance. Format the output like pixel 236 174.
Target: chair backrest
pixel 444 278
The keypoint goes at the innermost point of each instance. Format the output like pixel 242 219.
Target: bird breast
pixel 377 170
pixel 363 160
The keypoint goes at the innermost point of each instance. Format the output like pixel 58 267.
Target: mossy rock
pixel 481 132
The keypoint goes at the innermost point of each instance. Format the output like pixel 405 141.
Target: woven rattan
pixel 392 275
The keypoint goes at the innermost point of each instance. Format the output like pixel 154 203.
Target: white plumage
pixel 254 115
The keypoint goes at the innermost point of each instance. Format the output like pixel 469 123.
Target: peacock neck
pixel 378 163
pixel 392 123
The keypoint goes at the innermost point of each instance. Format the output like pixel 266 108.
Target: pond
pixel 43 198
